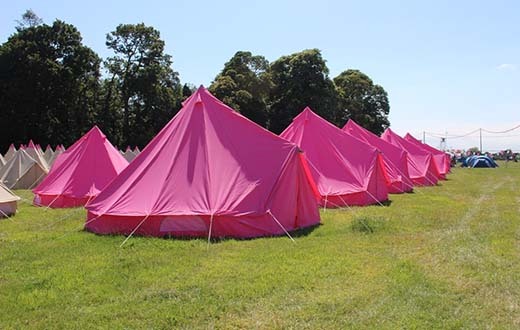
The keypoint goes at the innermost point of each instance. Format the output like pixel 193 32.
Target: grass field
pixel 442 257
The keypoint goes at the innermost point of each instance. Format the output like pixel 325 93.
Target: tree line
pixel 53 88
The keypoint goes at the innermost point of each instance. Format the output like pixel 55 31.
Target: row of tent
pixel 212 172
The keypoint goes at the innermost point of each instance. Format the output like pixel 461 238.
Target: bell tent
pixel 22 171
pixel 8 202
pixel 209 172
pixel 81 172
pixel 10 152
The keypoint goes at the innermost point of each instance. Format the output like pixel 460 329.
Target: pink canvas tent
pixel 421 167
pixel 347 171
pixel 394 158
pixel 80 173
pixel 209 172
pixel 442 159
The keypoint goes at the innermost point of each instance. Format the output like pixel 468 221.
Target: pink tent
pixel 347 171
pixel 81 172
pixel 442 159
pixel 421 167
pixel 209 172
pixel 394 158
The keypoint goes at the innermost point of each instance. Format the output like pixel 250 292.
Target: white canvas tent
pixel 48 154
pixel 8 202
pixel 54 156
pixel 129 155
pixel 37 155
pixel 22 172
pixel 10 152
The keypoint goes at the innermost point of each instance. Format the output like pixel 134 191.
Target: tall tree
pixel 300 80
pixel 362 101
pixel 48 85
pixel 148 88
pixel 29 19
pixel 244 85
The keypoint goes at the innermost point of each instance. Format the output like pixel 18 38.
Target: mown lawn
pixel 442 257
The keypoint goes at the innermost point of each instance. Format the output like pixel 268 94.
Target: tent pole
pixel 210 228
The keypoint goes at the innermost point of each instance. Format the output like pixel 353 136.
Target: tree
pixel 187 90
pixel 244 85
pixel 29 19
pixel 148 88
pixel 300 80
pixel 49 82
pixel 362 101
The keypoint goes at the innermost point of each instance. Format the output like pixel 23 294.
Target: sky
pixel 449 67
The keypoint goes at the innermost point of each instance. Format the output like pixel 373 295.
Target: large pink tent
pixel 347 171
pixel 209 172
pixel 394 158
pixel 421 167
pixel 81 172
pixel 442 159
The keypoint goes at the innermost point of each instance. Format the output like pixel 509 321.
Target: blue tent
pixel 480 161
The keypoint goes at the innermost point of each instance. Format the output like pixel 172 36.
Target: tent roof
pixel 391 151
pixel 18 165
pixel 85 168
pixel 7 195
pixel 207 160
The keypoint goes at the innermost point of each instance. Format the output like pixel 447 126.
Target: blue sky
pixel 448 66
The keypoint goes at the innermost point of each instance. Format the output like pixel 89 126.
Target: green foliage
pixel 300 80
pixel 362 101
pixel 244 85
pixel 148 89
pixel 29 19
pixel 49 84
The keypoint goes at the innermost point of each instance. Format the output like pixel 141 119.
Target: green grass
pixel 443 257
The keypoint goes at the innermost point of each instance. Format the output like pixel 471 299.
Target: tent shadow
pixel 301 232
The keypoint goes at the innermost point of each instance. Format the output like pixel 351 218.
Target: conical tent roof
pixel 347 171
pixel 22 171
pixel 421 167
pixel 81 172
pixel 394 158
pixel 35 153
pixel 47 155
pixel 7 201
pixel 442 159
pixel 55 156
pixel 210 171
pixel 129 155
pixel 10 152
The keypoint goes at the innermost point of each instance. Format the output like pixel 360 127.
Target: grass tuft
pixel 368 224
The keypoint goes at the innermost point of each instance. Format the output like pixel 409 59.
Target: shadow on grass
pixel 301 232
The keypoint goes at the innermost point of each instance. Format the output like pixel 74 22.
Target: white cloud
pixel 507 67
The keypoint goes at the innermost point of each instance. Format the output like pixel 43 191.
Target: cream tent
pixel 22 172
pixel 10 153
pixel 7 202
pixel 129 155
pixel 48 154
pixel 59 150
pixel 2 161
pixel 33 151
